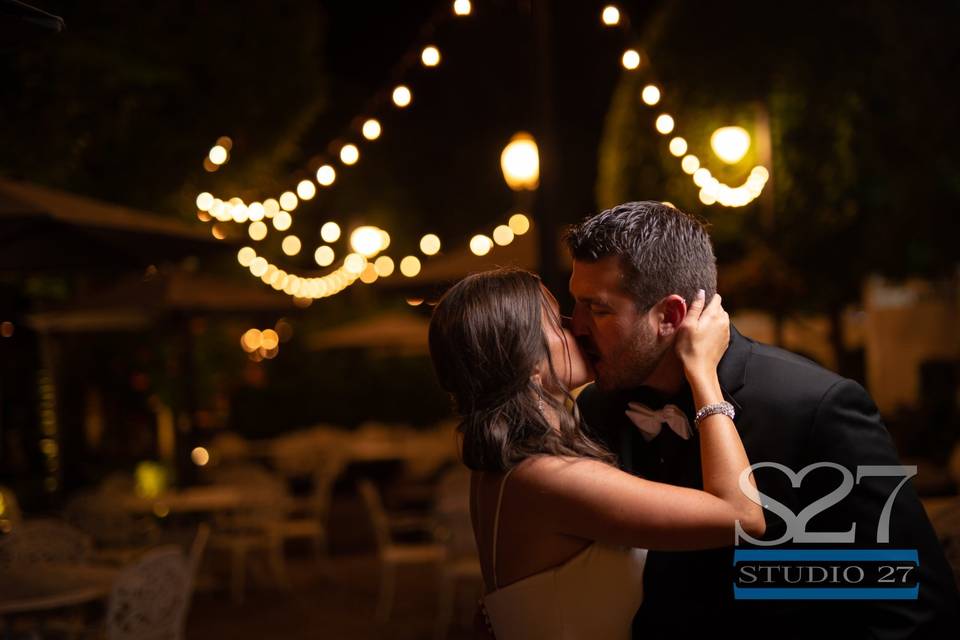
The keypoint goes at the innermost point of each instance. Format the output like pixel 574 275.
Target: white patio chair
pixel 254 529
pixel 393 554
pixel 455 530
pixel 150 598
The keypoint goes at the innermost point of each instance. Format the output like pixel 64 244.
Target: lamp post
pixel 520 163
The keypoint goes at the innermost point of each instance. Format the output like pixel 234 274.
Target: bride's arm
pixel 592 500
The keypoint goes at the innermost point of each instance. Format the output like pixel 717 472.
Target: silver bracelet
pixel 720 407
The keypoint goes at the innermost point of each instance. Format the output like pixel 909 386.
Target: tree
pixel 864 179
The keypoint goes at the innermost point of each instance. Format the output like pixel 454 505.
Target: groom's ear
pixel 670 314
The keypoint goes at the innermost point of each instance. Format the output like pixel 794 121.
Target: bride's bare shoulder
pixel 545 472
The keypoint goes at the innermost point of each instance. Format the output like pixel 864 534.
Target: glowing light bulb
pixel 257 230
pixel 664 123
pixel 245 256
pixel 630 59
pixel 689 164
pixel 462 7
pixel 288 200
pixel 430 244
pixel 678 146
pixel 402 96
pixel 430 56
pixel 384 266
pixel 204 201
pixel 326 175
pixel 256 211
pixel 217 155
pixel 366 240
pixel 330 232
pixel 323 256
pixel 730 143
pixel 282 221
pixel 349 154
pixel 371 130
pixel 503 235
pixel 520 163
pixel 610 15
pixel 306 189
pixel 519 224
pixel 650 95
pixel 480 245
pixel 291 245
pixel 354 264
pixel 410 266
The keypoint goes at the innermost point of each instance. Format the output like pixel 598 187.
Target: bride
pixel 561 532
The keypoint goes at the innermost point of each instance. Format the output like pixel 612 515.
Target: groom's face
pixel 619 339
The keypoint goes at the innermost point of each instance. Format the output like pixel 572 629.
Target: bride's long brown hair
pixel 486 338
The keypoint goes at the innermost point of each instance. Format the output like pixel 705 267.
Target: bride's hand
pixel 703 337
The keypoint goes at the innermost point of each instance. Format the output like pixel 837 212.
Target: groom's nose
pixel 577 322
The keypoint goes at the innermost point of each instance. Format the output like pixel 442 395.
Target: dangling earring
pixel 539 396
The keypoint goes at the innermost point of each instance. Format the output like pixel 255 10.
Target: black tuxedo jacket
pixel 796 413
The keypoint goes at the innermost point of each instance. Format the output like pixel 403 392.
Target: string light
pixel 355 263
pixel 503 235
pixel 349 154
pixel 306 190
pixel 650 95
pixel 371 131
pixel 480 245
pixel 291 245
pixel 217 155
pixel 410 266
pixel 282 221
pixel 204 201
pixel 519 224
pixel 367 241
pixel 288 200
pixel 245 256
pixel 323 256
pixel 430 56
pixel 430 244
pixel 729 143
pixel 384 266
pixel 610 16
pixel 664 123
pixel 462 7
pixel 330 232
pixel 402 96
pixel 327 174
pixel 369 274
pixel 257 230
pixel 678 146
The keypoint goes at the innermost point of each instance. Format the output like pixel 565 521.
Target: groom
pixel 635 269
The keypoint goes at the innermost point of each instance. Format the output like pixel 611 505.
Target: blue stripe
pixel 908 593
pixel 889 555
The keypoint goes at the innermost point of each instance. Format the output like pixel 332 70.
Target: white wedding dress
pixel 594 595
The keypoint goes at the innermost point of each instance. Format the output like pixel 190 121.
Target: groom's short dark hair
pixel 662 250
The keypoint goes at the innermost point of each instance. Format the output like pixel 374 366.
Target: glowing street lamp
pixel 520 163
pixel 730 143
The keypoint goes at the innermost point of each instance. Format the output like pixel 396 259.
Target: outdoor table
pixel 52 585
pixel 201 499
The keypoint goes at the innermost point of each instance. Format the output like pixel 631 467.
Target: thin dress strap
pixel 496 526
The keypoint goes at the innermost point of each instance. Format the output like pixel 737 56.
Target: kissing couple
pixel 618 514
